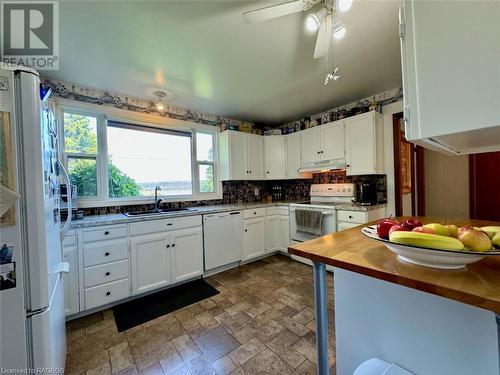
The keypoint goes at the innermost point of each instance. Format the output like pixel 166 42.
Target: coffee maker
pixel 366 193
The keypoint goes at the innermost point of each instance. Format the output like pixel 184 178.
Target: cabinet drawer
pixel 106 273
pixel 104 233
pixel 352 216
pixel 255 212
pixel 107 293
pixel 70 239
pixel 158 226
pixel 105 252
pixel 280 210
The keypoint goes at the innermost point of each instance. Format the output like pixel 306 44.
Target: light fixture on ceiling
pixel 339 30
pixel 344 5
pixel 160 106
pixel 313 21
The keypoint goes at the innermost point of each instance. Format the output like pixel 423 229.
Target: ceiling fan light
pixel 339 31
pixel 312 22
pixel 159 104
pixel 344 5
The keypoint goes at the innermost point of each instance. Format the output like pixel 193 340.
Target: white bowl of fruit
pixel 436 245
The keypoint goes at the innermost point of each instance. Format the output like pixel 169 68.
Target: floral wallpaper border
pixel 73 91
pixel 377 101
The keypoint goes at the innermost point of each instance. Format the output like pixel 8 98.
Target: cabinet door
pixel 310 146
pixel 360 144
pixel 237 156
pixel 70 280
pixel 274 151
pixel 255 160
pixel 278 233
pixel 187 253
pixel 254 238
pixel 332 141
pixel 293 155
pixel 151 264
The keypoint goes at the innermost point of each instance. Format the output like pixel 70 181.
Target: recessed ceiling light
pixel 344 5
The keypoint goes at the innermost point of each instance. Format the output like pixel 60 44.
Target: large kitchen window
pixel 117 162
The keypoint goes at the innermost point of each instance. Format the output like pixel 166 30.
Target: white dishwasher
pixel 223 238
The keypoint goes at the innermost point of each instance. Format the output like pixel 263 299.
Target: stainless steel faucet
pixel 157 201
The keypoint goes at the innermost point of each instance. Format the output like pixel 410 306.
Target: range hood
pixel 324 166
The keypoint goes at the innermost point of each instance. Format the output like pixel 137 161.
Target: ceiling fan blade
pixel 273 11
pixel 323 40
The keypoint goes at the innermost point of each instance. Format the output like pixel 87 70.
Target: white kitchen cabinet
pixel 451 78
pixel 254 238
pixel 274 157
pixel 255 156
pixel 364 143
pixel 278 236
pixel 70 280
pixel 292 142
pixel 310 146
pixel 151 262
pixel 187 253
pixel 347 219
pixel 240 156
pixel 323 145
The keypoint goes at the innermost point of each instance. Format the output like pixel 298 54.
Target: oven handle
pixel 323 212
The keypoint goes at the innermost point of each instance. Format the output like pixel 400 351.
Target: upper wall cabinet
pixel 274 157
pixel 364 144
pixel 240 156
pixel 292 145
pixel 322 145
pixel 450 53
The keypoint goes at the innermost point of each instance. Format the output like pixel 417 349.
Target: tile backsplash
pixel 244 191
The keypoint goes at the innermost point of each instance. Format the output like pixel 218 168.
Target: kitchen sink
pixel 159 212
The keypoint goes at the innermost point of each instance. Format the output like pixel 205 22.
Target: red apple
pixel 424 230
pixel 412 223
pixel 396 228
pixel 384 226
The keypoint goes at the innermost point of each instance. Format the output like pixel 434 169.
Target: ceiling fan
pixel 324 20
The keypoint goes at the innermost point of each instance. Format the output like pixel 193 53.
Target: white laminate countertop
pixel 97 220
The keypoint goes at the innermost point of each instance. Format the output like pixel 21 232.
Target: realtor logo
pixel 30 34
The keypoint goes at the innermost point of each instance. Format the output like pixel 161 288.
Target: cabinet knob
pixel 169 224
pixel 348 165
pixel 350 216
pixel 168 245
pixel 106 233
pixel 318 152
pixel 107 273
pixel 108 293
pixel 173 245
pixel 106 254
pixel 246 230
pixel 267 172
pixel 322 151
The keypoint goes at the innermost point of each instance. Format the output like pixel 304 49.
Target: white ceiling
pixel 212 61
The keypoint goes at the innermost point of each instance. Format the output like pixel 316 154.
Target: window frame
pixel 105 114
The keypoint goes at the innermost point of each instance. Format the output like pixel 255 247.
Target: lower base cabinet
pixel 70 280
pixel 278 231
pixel 254 238
pixel 151 262
pixel 187 253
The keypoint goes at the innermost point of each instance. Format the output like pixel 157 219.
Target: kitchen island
pixel 427 320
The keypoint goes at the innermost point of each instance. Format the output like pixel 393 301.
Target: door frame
pixel 417 173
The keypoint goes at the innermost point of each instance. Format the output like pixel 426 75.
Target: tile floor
pixel 262 322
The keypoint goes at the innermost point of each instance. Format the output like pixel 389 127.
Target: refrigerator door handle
pixel 61 269
pixel 65 175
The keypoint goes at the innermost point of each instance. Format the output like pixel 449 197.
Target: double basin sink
pixel 158 212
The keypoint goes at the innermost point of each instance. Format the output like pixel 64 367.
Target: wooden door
pixel 484 170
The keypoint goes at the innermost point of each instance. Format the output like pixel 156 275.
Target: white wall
pixel 388 111
pixel 446 185
pixel 422 332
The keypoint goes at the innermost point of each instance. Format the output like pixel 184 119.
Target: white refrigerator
pixel 32 322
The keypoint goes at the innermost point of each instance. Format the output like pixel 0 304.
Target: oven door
pixel 329 225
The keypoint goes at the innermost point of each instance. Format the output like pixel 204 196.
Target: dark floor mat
pixel 152 306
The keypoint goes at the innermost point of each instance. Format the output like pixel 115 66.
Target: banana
pixel 490 230
pixel 431 241
pixel 496 239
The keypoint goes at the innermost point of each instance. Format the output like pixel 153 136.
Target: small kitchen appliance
pixel 367 193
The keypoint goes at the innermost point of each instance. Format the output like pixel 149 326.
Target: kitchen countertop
pixel 96 220
pixel 478 284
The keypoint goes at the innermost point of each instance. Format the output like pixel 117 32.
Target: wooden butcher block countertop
pixel 478 284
